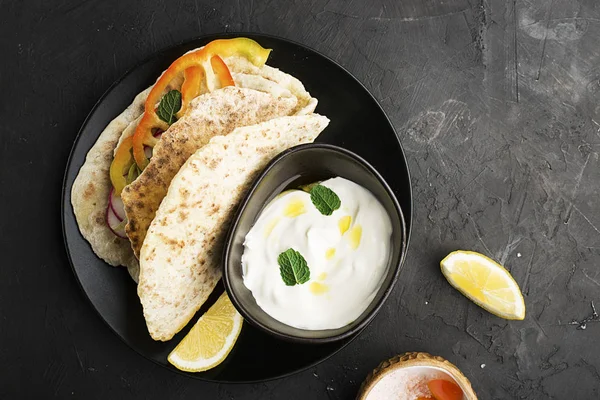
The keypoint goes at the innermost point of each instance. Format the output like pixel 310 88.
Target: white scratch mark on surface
pixel 413 19
pixel 440 156
pixel 542 30
pixel 528 271
pixel 427 126
pixel 597 130
pixel 576 189
pixel 590 278
pixel 585 217
pixel 478 234
pixel 509 249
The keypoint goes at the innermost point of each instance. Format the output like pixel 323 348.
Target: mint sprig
pixel 169 105
pixel 324 199
pixel 293 268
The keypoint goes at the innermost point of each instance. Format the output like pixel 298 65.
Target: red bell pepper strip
pixel 223 47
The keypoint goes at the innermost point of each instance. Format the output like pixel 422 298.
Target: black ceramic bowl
pixel 298 166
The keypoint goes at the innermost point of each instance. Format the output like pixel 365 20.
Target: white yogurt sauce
pixel 347 253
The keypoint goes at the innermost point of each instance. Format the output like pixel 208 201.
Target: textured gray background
pixel 496 104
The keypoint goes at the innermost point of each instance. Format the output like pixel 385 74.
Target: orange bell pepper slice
pixel 190 89
pixel 221 71
pixel 193 77
pixel 200 58
pixel 193 66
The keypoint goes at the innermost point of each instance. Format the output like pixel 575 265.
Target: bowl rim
pixel 412 360
pixel 235 222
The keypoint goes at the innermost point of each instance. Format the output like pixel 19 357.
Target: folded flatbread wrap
pixel 180 257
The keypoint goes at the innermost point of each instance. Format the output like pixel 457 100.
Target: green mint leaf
pixel 293 268
pixel 324 199
pixel 169 105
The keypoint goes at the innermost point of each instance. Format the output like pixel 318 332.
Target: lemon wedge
pixel 209 342
pixel 485 282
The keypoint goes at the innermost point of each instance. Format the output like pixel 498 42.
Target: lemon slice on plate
pixel 209 342
pixel 485 282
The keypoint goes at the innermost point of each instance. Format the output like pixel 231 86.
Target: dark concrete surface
pixel 497 104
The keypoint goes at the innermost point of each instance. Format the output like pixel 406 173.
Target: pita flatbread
pixel 181 255
pixel 89 194
pixel 240 65
pixel 211 114
pixel 143 196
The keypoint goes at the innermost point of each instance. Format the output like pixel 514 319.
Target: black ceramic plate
pixel 357 123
